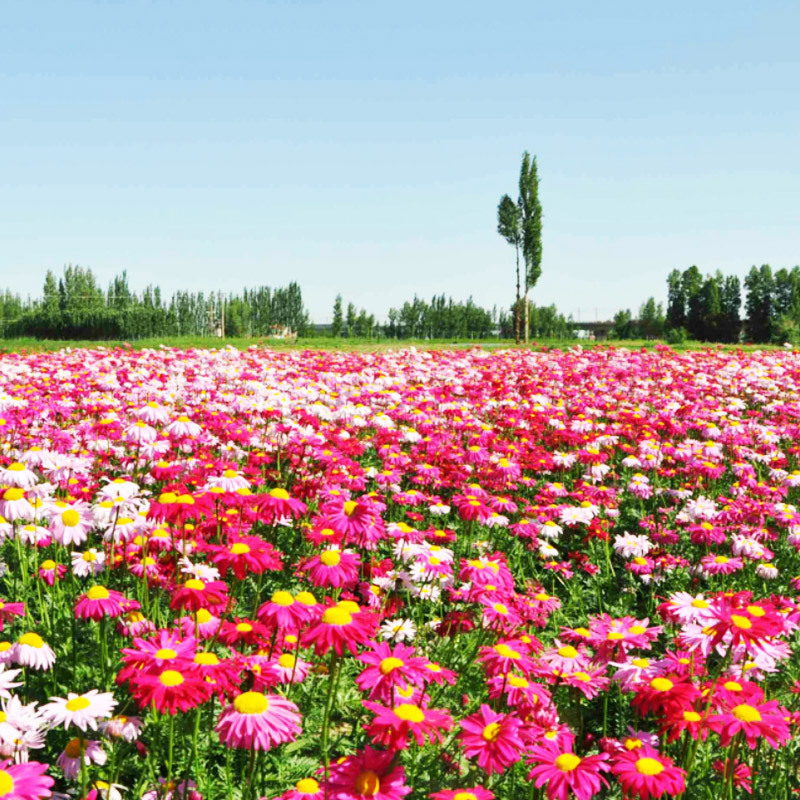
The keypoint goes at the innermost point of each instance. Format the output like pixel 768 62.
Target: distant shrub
pixel 676 335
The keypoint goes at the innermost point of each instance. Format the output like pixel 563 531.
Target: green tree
pixel 531 220
pixel 351 320
pixel 509 226
pixel 676 301
pixel 651 319
pixel 336 327
pixel 731 300
pixel 759 305
pixel 623 325
pixel 710 305
pixel 691 284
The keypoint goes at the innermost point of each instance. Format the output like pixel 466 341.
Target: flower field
pixel 425 574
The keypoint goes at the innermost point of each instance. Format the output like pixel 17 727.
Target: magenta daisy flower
pixel 343 626
pixel 392 726
pixel 390 667
pixel 24 781
pixel 369 774
pixel 494 738
pixel 333 567
pixel 256 721
pixel 646 773
pixel 100 602
pixel 561 770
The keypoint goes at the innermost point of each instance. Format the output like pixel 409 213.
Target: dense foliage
pixel 76 307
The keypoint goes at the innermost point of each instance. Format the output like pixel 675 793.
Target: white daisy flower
pixel 81 710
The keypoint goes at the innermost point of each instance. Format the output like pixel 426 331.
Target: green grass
pixel 365 345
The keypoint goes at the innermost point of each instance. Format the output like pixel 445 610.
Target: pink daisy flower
pixel 493 737
pixel 646 773
pixel 368 774
pixel 562 771
pixel 24 781
pixel 100 602
pixel 334 568
pixel 392 726
pixel 390 667
pixel 258 721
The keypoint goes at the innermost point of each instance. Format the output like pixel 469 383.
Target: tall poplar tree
pixel 531 220
pixel 509 226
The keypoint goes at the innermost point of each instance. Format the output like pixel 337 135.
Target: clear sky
pixel 362 147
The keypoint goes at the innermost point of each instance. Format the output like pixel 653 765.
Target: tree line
pixel 708 308
pixel 75 306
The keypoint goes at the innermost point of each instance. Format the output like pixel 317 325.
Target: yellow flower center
pixel 306 598
pixel 229 473
pixel 649 766
pixel 98 593
pixel 166 653
pixel 337 616
pixel 287 661
pixel 239 548
pixel 12 495
pixel 279 494
pixel 70 517
pixel 408 712
pixel 700 604
pixel 756 611
pixel 244 627
pixel 368 784
pixel 567 762
pixel 32 640
pixel 637 630
pixel 615 636
pixel 89 557
pixel 350 507
pixel 568 651
pixel 307 786
pixel 661 684
pixel 642 663
pixel 465 796
pixel 251 703
pixel 721 560
pixel 196 584
pixel 746 713
pixel 506 652
pixel 171 677
pixel 390 664
pixel 691 716
pixel 282 598
pixel 330 558
pixel 741 622
pixel 48 564
pixel 206 659
pixel 491 732
pixel 78 704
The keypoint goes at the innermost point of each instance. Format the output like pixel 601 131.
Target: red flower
pixel 170 691
pixel 392 726
pixel 196 594
pixel 343 626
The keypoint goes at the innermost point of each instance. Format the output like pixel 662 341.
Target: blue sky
pixel 362 147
